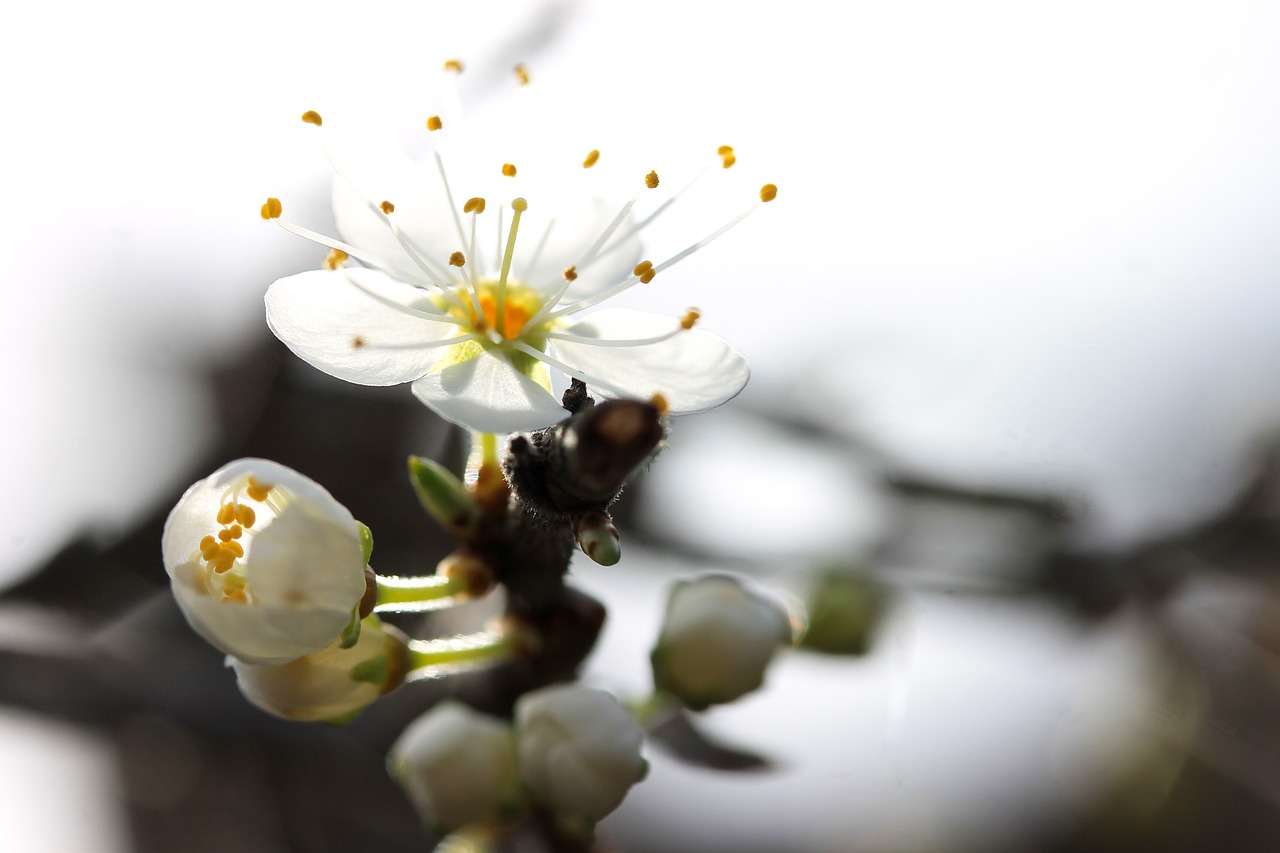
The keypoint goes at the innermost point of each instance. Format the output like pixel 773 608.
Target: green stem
pixel 407 595
pixel 430 658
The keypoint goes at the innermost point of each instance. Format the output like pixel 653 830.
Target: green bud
pixel 845 608
pixel 366 541
pixel 443 495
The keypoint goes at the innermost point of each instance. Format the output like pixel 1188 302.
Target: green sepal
pixel 845 608
pixel 443 495
pixel 351 634
pixel 372 671
pixel 366 541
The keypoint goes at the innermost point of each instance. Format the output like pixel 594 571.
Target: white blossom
pixel 458 766
pixel 579 750
pixel 717 640
pixel 333 684
pixel 448 299
pixel 264 563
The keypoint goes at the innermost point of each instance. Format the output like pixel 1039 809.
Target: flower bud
pixel 333 684
pixel 579 750
pixel 264 563
pixel 716 641
pixel 458 766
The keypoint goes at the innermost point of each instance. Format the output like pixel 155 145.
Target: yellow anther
pixel 388 208
pixel 690 318
pixel 272 209
pixel 226 514
pixel 225 560
pixel 236 531
pixel 335 259
pixel 234 596
pixel 225 534
pixel 571 273
pixel 724 149
pixel 519 204
pixel 257 491
pixel 245 515
pixel 592 156
pixel 233 547
pixel 768 193
pixel 522 74
pixel 660 403
pixel 727 160
pixel 209 548
pixel 642 268
pixel 434 123
pixel 312 117
pixel 474 205
pixel 457 259
pixel 647 276
pixel 508 170
pixel 651 180
pixel 453 66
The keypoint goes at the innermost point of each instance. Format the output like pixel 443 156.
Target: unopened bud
pixel 443 495
pixel 598 538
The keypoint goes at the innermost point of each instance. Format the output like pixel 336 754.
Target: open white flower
pixel 458 766
pixel 332 685
pixel 447 297
pixel 579 750
pixel 264 563
pixel 717 640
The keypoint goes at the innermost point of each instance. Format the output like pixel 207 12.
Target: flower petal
pixel 332 324
pixel 488 394
pixel 694 370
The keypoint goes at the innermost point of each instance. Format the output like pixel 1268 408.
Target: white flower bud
pixel 264 563
pixel 333 684
pixel 717 640
pixel 458 766
pixel 579 750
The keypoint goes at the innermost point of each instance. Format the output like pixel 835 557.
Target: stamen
pixel 406 309
pixel 474 205
pixel 626 283
pixel 258 490
pixel 509 170
pixel 387 207
pixel 226 514
pixel 651 180
pixel 312 117
pixel 434 123
pixel 642 268
pixel 453 66
pixel 457 259
pixel 245 515
pixel 647 276
pixel 570 273
pixel 518 205
pixel 448 192
pixel 587 340
pixel 768 193
pixel 727 157
pixel 660 403
pixel 522 74
pixel 272 209
pixel 690 318
pixel 592 156
pixel 336 258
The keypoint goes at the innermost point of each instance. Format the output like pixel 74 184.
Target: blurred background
pixel 1011 431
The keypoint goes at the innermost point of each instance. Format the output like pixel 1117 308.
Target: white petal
pixel 333 325
pixel 693 370
pixel 488 394
pixel 303 559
